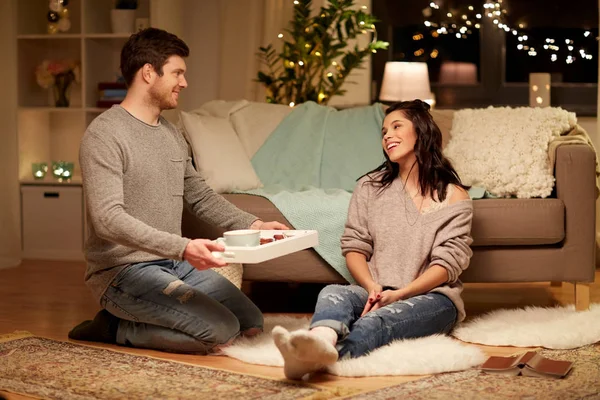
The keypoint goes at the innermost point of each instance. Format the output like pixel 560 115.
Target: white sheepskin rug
pixel 428 355
pixel 552 328
pixel 505 150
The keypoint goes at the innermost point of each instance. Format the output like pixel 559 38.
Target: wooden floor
pixel 49 298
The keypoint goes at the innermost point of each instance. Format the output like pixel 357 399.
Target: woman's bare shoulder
pixel 458 194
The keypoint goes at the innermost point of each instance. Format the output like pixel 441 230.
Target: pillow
pixel 218 153
pixel 443 119
pixel 505 150
pixel 255 122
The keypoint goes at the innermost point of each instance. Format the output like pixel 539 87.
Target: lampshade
pixel 404 81
pixel 458 73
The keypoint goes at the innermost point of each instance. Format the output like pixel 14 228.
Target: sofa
pixel 514 239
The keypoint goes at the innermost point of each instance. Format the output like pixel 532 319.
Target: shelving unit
pixel 47 133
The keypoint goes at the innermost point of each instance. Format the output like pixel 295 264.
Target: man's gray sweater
pixel 135 179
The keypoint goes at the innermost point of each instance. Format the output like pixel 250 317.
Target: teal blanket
pixel 321 147
pixel 309 166
pixel 323 210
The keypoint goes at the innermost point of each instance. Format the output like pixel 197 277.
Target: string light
pixel 461 21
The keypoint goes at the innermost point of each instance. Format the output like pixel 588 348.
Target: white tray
pixel 296 240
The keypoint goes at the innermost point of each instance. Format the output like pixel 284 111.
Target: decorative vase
pixel 62 85
pixel 122 21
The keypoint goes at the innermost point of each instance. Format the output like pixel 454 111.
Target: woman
pixel 406 242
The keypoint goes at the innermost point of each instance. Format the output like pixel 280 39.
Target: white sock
pixel 303 352
pixel 326 333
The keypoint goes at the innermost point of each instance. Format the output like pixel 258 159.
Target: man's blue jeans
pixel 339 307
pixel 170 305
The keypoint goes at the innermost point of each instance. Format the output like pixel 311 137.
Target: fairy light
pixel 280 35
pixel 462 21
pixel 292 104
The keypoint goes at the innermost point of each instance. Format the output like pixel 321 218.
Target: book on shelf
pixel 527 364
pixel 108 103
pixel 112 93
pixel 112 86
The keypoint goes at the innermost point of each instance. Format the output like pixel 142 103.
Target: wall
pixel 10 225
pixel 222 63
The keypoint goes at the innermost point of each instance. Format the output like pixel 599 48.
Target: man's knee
pixel 221 333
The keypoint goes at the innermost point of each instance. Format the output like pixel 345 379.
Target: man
pixel 156 288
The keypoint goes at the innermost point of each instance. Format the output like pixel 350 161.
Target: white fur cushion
pixel 218 153
pixel 505 150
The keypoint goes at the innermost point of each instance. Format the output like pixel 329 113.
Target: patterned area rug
pixel 59 370
pixel 583 382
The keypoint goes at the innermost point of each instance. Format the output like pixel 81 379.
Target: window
pixel 487 66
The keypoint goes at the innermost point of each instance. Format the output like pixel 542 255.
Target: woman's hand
pixel 387 297
pixel 271 225
pixel 374 290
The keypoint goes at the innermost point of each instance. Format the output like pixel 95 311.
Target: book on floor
pixel 527 364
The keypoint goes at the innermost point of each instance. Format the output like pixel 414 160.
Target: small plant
pixel 316 57
pixel 126 4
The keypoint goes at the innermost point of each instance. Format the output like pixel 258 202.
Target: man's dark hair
pixel 150 46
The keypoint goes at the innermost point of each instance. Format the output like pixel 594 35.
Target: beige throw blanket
pixel 577 135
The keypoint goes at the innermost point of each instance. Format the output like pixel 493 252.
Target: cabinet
pixel 52 222
pixel 47 133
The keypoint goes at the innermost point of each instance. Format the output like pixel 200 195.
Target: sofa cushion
pixel 255 122
pixel 218 153
pixel 515 222
pixel 496 222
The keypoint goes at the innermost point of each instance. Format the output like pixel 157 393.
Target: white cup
pixel 242 238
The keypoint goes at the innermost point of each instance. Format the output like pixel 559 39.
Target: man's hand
pixel 374 290
pixel 268 226
pixel 198 253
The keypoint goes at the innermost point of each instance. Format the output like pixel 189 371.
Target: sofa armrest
pixel 575 173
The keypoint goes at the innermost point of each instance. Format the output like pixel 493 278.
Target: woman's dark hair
pixel 150 46
pixel 435 171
